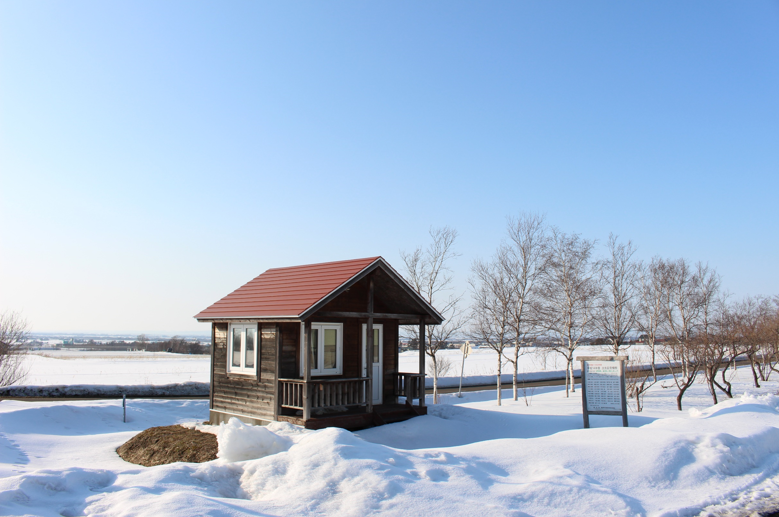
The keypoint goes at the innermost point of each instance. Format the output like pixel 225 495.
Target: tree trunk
pixel 516 367
pixel 754 373
pixel 500 363
pixel 435 379
pixel 573 379
pixel 713 391
pixel 654 368
pixel 680 395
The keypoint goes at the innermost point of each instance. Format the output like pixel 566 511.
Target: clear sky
pixel 154 156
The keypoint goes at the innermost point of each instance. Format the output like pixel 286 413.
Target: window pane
pixel 250 338
pixel 314 349
pixel 331 346
pixel 236 347
pixel 376 357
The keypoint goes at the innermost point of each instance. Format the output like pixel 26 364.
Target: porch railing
pixel 411 386
pixel 324 393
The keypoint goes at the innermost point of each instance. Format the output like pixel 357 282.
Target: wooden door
pixel 378 360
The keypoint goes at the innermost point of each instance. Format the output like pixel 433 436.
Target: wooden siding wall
pixel 243 394
pixel 290 338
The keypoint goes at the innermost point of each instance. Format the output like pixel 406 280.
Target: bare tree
pixel 570 291
pixel 766 337
pixel 682 309
pixel 650 310
pixel 770 334
pixel 728 336
pixel 142 341
pixel 638 379
pixel 749 317
pixel 428 271
pixel 616 315
pixel 14 332
pixel 523 259
pixel 492 308
pixel 443 366
pixel 712 350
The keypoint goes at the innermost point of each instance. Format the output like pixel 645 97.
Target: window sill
pixel 242 375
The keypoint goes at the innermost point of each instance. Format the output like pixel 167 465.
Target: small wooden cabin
pixel 349 312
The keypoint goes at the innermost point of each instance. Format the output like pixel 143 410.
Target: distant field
pixel 76 367
pixel 154 368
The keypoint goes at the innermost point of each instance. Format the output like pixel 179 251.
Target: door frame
pixel 380 328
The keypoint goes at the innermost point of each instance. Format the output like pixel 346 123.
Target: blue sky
pixel 155 156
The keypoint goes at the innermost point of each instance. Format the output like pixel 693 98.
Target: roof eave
pixel 208 319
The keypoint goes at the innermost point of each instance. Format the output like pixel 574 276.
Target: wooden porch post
pixel 369 344
pixel 211 383
pixel 422 345
pixel 307 359
pixel 278 345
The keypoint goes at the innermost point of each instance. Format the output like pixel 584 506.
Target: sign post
pixel 466 349
pixel 603 387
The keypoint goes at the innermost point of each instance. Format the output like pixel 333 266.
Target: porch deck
pixel 358 418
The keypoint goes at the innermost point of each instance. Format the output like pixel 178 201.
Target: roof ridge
pixel 372 259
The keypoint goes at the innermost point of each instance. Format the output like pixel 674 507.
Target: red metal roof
pixel 286 291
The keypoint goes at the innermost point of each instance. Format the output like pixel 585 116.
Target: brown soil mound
pixel 169 444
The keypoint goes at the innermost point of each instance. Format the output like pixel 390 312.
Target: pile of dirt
pixel 169 444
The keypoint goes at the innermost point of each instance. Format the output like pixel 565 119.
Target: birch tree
pixel 523 259
pixel 619 278
pixel 492 308
pixel 428 270
pixel 570 292
pixel 650 313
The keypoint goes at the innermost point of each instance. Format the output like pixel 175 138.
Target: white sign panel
pixel 604 389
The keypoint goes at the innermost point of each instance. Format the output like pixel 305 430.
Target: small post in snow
pixel 124 407
pixel 466 349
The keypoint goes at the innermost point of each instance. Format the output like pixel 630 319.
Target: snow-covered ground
pixel 467 457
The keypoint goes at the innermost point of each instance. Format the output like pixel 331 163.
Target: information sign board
pixel 603 387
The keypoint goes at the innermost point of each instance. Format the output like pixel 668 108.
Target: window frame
pixel 243 369
pixel 320 370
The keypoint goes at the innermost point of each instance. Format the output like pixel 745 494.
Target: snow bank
pixel 239 442
pixel 467 457
pixel 185 389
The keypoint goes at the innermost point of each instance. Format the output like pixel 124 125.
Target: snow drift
pixel 471 458
pixel 239 442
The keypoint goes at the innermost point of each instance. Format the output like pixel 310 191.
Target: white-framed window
pixel 242 348
pixel 326 342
